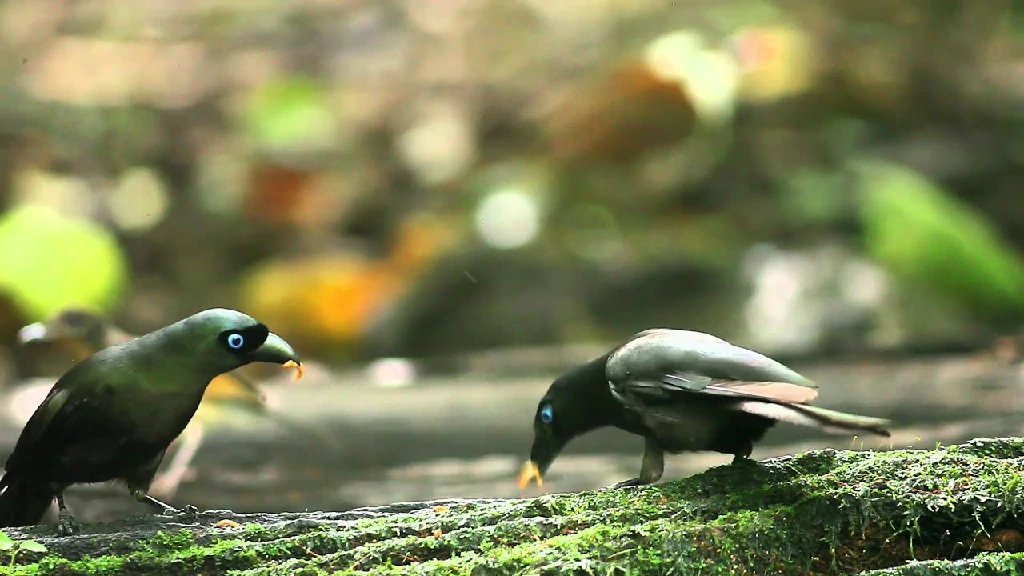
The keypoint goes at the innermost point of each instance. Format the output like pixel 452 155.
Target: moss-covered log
pixel 955 510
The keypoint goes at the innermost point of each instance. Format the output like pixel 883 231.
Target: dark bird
pixel 113 415
pixel 682 391
pixel 80 333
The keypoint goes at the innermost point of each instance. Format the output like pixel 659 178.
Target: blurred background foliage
pixel 423 177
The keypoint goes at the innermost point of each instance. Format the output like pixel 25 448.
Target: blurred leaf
pixel 924 235
pixel 732 15
pixel 32 546
pixel 814 196
pixel 48 262
pixel 777 61
pixel 289 114
pixel 277 191
pixel 327 298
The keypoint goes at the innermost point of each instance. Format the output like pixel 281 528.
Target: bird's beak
pixel 35 332
pixel 529 472
pixel 32 332
pixel 276 351
pixel 543 452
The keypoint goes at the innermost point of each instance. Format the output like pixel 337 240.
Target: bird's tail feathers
pixel 813 416
pixel 24 501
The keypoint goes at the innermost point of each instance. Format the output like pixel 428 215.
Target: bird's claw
pixel 631 483
pixel 67 525
pixel 190 512
pixel 743 461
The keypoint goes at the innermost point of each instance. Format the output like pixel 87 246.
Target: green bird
pixel 112 416
pixel 81 333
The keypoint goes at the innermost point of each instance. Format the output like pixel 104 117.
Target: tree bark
pixel 954 510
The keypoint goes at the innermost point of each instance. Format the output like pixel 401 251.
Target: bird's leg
pixel 167 483
pixel 189 511
pixel 66 523
pixel 140 495
pixel 651 468
pixel 743 458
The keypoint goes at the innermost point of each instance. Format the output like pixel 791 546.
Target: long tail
pixel 828 420
pixel 24 501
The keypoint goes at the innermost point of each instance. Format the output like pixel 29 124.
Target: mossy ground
pixel 957 510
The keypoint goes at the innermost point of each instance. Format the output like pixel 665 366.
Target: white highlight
pixel 392 372
pixel 34 331
pixel 508 219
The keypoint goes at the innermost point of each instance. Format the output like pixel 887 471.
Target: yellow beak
pixel 529 472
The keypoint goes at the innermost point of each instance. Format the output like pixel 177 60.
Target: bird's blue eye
pixel 547 414
pixel 235 341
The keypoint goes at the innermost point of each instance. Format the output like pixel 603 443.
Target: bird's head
pixel 81 332
pixel 227 339
pixel 575 403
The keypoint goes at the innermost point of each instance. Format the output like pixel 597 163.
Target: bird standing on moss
pixel 682 391
pixel 81 333
pixel 113 415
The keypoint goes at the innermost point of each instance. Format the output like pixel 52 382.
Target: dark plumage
pixel 113 415
pixel 81 333
pixel 682 391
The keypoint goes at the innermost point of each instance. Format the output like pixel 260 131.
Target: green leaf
pixel 289 114
pixel 4 537
pixel 926 236
pixel 812 195
pixel 6 544
pixel 85 265
pixel 32 546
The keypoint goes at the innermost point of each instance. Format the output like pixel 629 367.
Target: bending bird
pixel 682 391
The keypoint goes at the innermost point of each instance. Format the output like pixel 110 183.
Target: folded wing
pixel 661 367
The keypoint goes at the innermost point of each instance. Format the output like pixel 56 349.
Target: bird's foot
pixel 66 524
pixel 631 483
pixel 187 515
pixel 743 461
pixel 190 513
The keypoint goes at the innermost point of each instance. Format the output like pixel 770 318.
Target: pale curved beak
pixel 32 333
pixel 275 351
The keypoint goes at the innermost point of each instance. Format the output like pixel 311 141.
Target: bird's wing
pixel 659 370
pixel 662 363
pixel 70 422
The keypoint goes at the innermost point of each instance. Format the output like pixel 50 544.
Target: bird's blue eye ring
pixel 547 414
pixel 235 341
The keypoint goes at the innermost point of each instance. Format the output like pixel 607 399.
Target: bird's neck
pixel 165 359
pixel 165 391
pixel 597 406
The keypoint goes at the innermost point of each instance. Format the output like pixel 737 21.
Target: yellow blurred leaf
pixel 48 262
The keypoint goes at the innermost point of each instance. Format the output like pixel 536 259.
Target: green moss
pixel 1002 564
pixel 824 512
pixel 169 541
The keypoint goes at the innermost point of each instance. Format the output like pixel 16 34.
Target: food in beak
pixel 296 365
